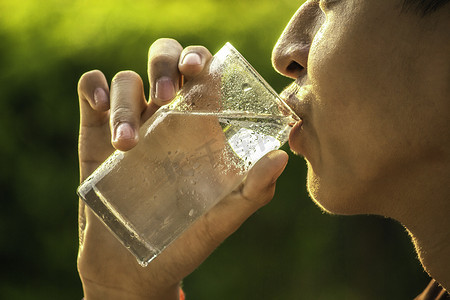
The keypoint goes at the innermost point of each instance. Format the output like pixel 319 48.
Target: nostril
pixel 294 68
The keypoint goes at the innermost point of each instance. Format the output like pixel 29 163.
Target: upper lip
pixel 289 95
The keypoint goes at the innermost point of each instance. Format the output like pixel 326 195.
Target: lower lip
pixel 294 135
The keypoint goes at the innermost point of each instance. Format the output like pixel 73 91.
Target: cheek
pixel 352 107
pixel 365 111
pixel 339 66
pixel 332 80
pixel 334 111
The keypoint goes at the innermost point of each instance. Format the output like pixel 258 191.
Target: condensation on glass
pixel 192 153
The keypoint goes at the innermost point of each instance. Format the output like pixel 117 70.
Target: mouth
pixel 290 96
pixel 297 96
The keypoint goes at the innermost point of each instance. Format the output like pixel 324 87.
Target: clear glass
pixel 191 154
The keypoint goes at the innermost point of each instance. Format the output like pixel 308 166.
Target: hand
pixel 110 118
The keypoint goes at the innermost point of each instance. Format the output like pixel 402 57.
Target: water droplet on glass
pixel 246 87
pixel 143 263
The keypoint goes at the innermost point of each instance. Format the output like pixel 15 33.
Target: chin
pixel 335 199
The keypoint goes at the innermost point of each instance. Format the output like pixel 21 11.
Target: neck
pixel 429 220
pixel 425 214
pixel 431 239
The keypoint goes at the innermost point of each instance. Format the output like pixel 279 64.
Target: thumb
pixel 224 218
pixel 259 187
pixel 256 191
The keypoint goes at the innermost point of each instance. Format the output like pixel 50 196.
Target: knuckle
pixel 163 61
pixel 258 198
pixel 121 113
pixel 163 54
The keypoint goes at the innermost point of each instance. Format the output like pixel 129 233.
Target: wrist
pixel 94 291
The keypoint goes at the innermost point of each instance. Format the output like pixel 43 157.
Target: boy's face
pixel 369 96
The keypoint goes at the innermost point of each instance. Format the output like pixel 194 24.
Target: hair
pixel 424 7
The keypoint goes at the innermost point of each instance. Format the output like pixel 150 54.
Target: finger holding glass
pixel 107 269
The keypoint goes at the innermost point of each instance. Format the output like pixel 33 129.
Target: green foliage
pixel 288 250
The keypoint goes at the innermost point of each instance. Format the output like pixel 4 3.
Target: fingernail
pixel 100 96
pixel 165 90
pixel 192 59
pixel 124 132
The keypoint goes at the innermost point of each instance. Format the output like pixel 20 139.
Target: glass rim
pixel 231 48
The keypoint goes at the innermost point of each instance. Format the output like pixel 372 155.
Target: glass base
pixel 143 252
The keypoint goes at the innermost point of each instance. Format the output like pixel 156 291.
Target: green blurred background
pixel 287 250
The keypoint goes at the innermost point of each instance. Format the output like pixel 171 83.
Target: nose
pixel 290 55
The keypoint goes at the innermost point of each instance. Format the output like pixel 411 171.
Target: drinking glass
pixel 191 154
